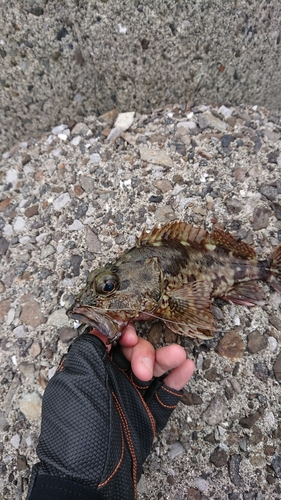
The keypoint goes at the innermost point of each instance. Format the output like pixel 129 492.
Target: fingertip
pixel 129 337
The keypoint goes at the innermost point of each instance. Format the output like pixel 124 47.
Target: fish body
pixel 173 273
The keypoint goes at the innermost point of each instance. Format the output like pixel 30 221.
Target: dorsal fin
pixel 178 231
pixel 197 237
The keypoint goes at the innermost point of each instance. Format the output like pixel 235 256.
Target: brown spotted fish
pixel 173 273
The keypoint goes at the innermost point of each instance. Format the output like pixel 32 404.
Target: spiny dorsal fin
pixel 197 237
pixel 178 231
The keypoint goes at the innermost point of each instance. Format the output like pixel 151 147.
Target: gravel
pixel 76 198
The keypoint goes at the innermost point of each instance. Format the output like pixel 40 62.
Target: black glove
pixel 98 425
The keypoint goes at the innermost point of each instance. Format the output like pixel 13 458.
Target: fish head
pixel 118 293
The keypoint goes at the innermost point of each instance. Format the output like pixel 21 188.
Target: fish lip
pixel 88 315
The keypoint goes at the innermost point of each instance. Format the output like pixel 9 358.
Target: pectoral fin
pixel 189 311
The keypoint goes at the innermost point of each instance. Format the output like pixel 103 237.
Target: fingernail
pixel 148 363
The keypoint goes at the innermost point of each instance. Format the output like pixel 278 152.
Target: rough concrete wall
pixel 66 59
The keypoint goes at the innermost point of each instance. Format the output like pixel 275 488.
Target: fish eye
pixel 106 284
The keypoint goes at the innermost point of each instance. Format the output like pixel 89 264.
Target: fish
pixel 173 273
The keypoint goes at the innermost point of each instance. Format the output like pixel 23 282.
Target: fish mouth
pixel 88 315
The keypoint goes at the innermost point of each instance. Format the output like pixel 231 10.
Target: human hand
pixel 101 412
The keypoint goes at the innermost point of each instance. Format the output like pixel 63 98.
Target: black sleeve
pixel 57 488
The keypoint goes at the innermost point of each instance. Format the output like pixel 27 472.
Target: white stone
pixel 52 372
pixel 19 224
pixel 23 145
pixel 8 230
pixel 6 155
pixel 60 249
pixel 76 226
pixel 19 331
pixel 95 158
pixel 58 318
pixel 189 125
pixel 28 169
pixel 201 484
pixel 122 29
pixel 272 343
pixel 24 239
pixel 177 189
pixel 76 140
pixel 61 201
pixel 10 316
pixel 226 112
pixel 47 251
pixel 30 405
pixel 270 418
pixel 176 450
pixel 15 441
pixel 12 177
pixel 62 137
pixel 124 120
pixel 56 152
pixel 59 129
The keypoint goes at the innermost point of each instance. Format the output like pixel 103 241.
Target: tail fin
pixel 275 277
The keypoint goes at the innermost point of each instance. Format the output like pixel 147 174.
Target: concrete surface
pixel 71 58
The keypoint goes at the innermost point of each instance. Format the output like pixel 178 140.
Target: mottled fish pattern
pixel 173 273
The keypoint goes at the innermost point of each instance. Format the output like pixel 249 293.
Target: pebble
pixel 19 331
pixel 4 424
pixel 19 224
pixel 76 226
pixel 276 465
pixel 226 112
pixel 164 186
pixel 27 369
pixel 219 457
pixel 276 207
pixel 92 241
pixel 176 450
pixel 87 182
pixel 272 343
pixel 190 398
pixel 248 422
pixel 60 202
pixel 208 120
pixel 30 405
pixel 277 367
pixel 269 192
pixel 226 140
pixel 261 371
pixel 124 120
pixel 215 413
pixel 256 342
pixel 275 321
pixel 159 157
pixel 234 470
pixel 95 158
pixel 76 140
pixel 66 333
pixel 47 251
pixel 58 318
pixel 31 211
pixel 15 441
pixel 261 218
pixel 35 349
pixel 12 177
pixel 81 129
pixel 4 308
pixel 59 129
pixel 201 484
pixel 31 312
pixel 231 346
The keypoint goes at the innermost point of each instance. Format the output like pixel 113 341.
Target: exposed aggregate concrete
pixel 77 197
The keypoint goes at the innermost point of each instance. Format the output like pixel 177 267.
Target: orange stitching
pixel 170 391
pixel 162 404
pixel 141 387
pixel 60 367
pixel 150 416
pixel 117 466
pixel 129 440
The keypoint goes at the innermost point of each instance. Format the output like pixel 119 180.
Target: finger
pixel 129 337
pixel 167 358
pixel 181 375
pixel 142 358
